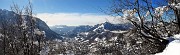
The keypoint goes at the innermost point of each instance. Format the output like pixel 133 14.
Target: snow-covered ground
pixel 173 47
pixel 118 31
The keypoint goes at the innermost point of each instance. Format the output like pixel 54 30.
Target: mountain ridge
pixel 10 19
pixel 86 32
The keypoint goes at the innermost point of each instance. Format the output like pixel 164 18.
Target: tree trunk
pixel 177 18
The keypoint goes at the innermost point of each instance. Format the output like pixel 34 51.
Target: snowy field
pixel 173 48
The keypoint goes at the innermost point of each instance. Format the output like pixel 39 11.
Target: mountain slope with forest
pixel 9 18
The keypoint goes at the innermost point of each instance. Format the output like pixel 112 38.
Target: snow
pixel 81 38
pixel 57 40
pixel 177 36
pixel 56 46
pixel 160 10
pixel 86 33
pixel 173 47
pixel 147 13
pixel 43 33
pixel 138 42
pixel 35 42
pixel 113 38
pixel 24 24
pixel 104 38
pixel 76 38
pixel 97 39
pixel 45 50
pixel 69 52
pixel 110 44
pixel 1 35
pixel 93 50
pixel 59 27
pixel 173 4
pixel 59 54
pixel 95 29
pixel 129 14
pixel 101 26
pixel 38 32
pixel 177 6
pixel 118 31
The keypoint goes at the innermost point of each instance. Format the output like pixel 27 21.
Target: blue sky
pixel 65 6
pixel 66 12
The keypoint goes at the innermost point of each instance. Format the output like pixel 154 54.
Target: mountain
pixel 10 19
pixel 44 27
pixel 107 26
pixel 70 31
pixel 104 30
pixel 62 29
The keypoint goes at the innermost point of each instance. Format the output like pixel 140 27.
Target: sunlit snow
pixel 173 47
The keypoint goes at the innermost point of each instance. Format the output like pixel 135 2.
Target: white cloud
pixel 74 19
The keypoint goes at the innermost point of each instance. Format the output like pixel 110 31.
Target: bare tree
pixel 152 20
pixel 26 24
pixel 176 11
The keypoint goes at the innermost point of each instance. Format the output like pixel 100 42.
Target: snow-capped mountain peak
pixel 100 27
